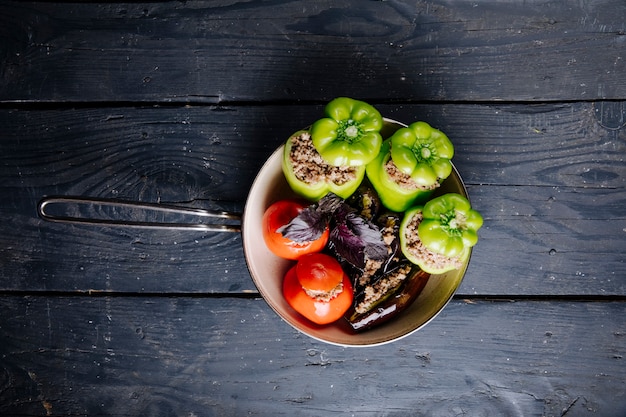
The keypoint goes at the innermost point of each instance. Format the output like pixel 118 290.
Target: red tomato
pixel 318 311
pixel 319 272
pixel 279 214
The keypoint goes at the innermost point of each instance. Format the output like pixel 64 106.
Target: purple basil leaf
pixel 348 245
pixel 329 203
pixel 353 237
pixel 370 235
pixel 312 221
pixel 307 226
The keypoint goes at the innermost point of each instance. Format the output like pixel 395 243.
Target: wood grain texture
pixel 232 357
pixel 224 51
pixel 549 180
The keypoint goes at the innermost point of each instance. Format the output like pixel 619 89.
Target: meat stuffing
pixel 325 296
pixel 373 265
pixel 310 167
pixel 405 180
pixel 376 286
pixel 381 287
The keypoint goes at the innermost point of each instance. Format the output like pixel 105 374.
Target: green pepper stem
pixel 352 131
pixel 349 131
pixel 453 222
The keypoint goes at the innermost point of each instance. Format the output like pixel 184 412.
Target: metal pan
pixel 266 269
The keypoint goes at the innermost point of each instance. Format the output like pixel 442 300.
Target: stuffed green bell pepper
pixel 310 176
pixel 438 237
pixel 411 164
pixel 350 134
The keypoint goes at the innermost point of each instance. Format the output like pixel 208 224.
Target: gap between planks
pixel 467 298
pixel 202 101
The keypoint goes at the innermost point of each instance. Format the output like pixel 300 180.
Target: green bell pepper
pixel 421 154
pixel 394 196
pixel 448 228
pixel 350 134
pixel 325 184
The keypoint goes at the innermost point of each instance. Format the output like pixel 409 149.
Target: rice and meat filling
pixel 416 247
pixel 372 266
pixel 375 289
pixel 405 180
pixel 325 296
pixel 381 287
pixel 311 168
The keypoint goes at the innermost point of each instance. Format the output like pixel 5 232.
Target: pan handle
pixel 56 209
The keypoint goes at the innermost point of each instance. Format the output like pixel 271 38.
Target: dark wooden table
pixel 181 102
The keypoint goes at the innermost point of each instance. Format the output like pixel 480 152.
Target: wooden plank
pixel 232 357
pixel 223 51
pixel 577 145
pixel 553 145
pixel 529 245
pixel 538 240
pixel 549 180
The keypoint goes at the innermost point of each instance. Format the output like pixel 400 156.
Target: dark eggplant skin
pixel 397 296
pixel 393 305
pixel 381 277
